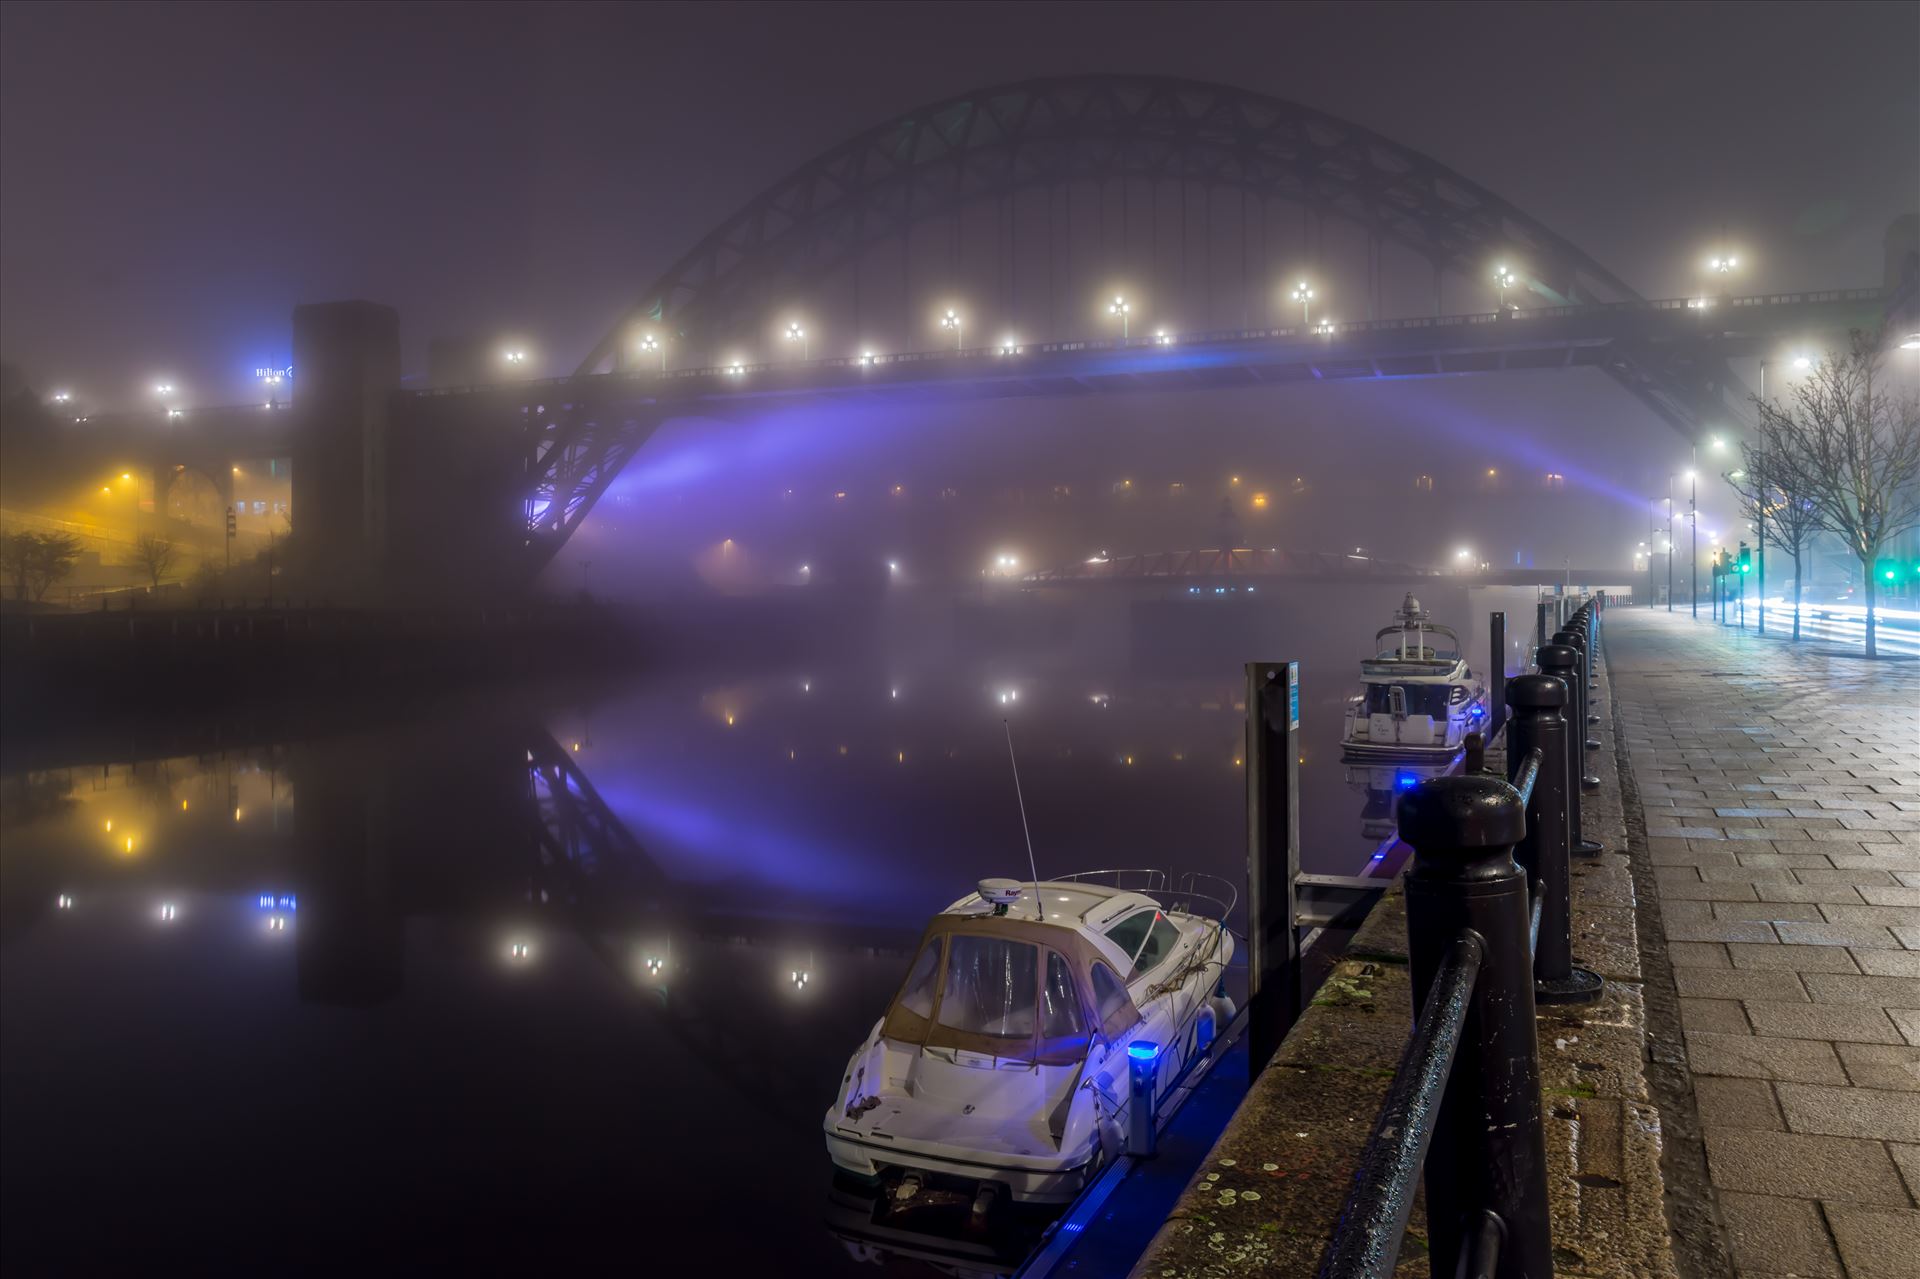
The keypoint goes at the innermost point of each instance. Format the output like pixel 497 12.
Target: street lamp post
pixel 797 334
pixel 1304 296
pixel 951 320
pixel 1693 520
pixel 650 343
pixel 1669 543
pixel 1503 279
pixel 1124 310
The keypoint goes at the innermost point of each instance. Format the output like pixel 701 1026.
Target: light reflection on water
pixel 556 964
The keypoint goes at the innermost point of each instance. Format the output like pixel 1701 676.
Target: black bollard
pixel 1488 1152
pixel 1562 663
pixel 1538 723
pixel 1572 639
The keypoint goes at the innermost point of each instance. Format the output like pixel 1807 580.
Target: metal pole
pixel 1273 856
pixel 1760 512
pixel 1563 663
pixel 1669 543
pixel 1143 1069
pixel 1693 518
pixel 1539 724
pixel 1489 1149
pixel 1496 673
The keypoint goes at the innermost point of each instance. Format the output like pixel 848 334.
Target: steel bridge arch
pixel 999 141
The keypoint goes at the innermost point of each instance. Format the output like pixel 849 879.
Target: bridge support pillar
pixel 348 357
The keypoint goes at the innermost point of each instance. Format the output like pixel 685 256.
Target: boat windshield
pixel 990 987
pixel 1422 699
pixel 1017 989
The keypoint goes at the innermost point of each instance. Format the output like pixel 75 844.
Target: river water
pixel 562 975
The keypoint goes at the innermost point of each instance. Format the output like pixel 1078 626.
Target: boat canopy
pixel 1011 988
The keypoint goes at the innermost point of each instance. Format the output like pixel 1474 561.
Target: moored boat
pixel 1418 699
pixel 1001 1068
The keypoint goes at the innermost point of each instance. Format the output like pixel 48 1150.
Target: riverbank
pixel 1269 1196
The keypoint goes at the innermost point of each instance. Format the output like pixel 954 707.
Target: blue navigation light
pixel 1143 1051
pixel 1407 781
pixel 1476 711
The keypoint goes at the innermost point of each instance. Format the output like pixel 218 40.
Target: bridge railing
pixel 1518 316
pixel 1489 939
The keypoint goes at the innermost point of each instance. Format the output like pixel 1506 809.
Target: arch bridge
pixel 1098 233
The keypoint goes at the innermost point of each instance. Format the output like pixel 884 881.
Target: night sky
pixel 174 179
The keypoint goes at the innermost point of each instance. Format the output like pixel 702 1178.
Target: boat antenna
pixel 1038 906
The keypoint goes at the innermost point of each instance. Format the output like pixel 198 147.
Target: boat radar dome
pixel 1410 610
pixel 1002 893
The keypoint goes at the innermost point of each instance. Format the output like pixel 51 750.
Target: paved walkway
pixel 1780 786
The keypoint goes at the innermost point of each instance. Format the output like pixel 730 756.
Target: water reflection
pixel 623 945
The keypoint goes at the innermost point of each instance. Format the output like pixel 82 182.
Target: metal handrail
pixel 1529 774
pixel 1156 879
pixel 1374 1218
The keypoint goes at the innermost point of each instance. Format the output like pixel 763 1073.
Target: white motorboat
pixel 1418 700
pixel 1001 1068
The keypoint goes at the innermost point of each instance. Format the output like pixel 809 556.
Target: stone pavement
pixel 1774 805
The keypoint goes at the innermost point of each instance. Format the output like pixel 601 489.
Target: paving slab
pixel 1778 836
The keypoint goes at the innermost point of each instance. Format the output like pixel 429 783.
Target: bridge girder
pixel 1042 133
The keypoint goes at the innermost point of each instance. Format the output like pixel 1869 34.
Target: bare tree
pixel 1774 501
pixel 155 555
pixel 35 561
pixel 1854 452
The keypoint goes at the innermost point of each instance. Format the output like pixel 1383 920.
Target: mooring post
pixel 1496 674
pixel 1563 663
pixel 1273 856
pixel 1571 638
pixel 1539 724
pixel 1489 1150
pixel 1143 1071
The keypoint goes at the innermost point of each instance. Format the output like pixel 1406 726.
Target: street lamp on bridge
pixel 1304 296
pixel 1124 310
pixel 1504 279
pixel 951 320
pixel 797 334
pixel 650 344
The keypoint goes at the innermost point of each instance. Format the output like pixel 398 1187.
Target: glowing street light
pixel 172 413
pixel 1802 363
pixel 797 334
pixel 1009 345
pixel 1325 327
pixel 62 397
pixel 952 320
pixel 650 344
pixel 1304 296
pixel 1911 342
pixel 163 388
pixel 1726 265
pixel 514 357
pixel 1504 279
pixel 1162 338
pixel 1124 310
